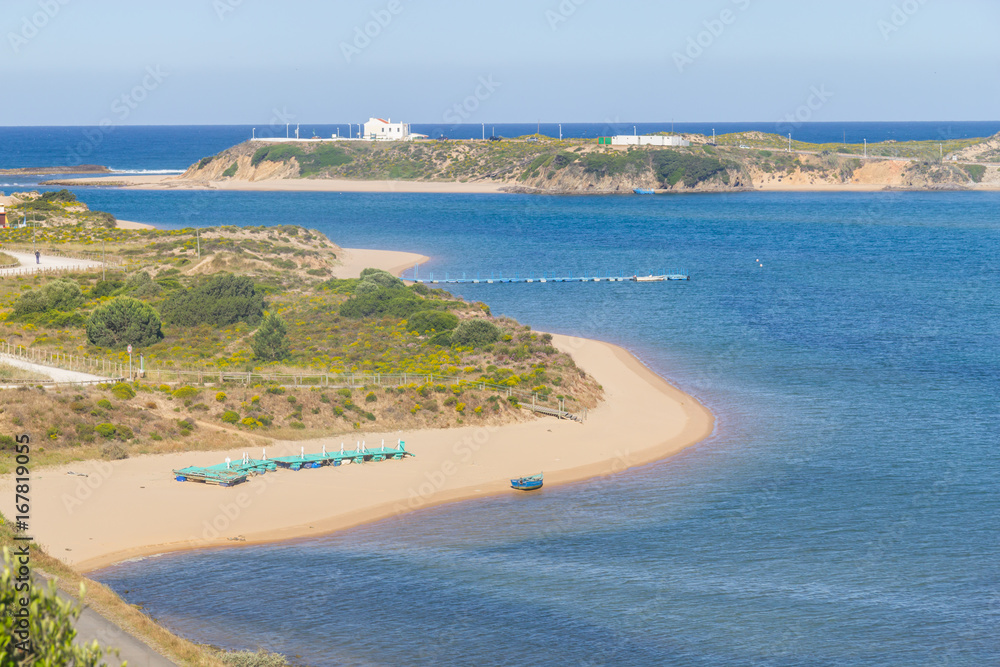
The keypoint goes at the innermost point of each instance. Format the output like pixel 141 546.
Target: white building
pixel 377 129
pixel 648 140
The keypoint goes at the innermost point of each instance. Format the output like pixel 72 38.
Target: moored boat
pixel 527 483
pixel 644 191
pixel 648 279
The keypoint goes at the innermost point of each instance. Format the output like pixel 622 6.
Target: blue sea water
pixel 157 148
pixel 843 513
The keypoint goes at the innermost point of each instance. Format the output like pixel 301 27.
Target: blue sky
pixel 70 62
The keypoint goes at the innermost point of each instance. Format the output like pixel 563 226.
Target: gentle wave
pixel 147 171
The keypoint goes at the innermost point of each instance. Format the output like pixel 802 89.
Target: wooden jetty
pixel 547 277
pixel 231 473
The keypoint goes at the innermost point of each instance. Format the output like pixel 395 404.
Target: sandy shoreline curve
pixel 134 508
pixel 161 182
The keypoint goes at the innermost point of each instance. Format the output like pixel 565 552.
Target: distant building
pixel 377 129
pixel 644 140
pixel 3 216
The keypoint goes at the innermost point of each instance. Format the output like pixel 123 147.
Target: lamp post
pixel 254 135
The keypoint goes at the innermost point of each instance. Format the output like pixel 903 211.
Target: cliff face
pixel 579 166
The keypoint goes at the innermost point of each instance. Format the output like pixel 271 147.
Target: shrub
pixel 122 391
pixel 221 397
pixel 344 391
pixel 62 295
pixel 230 417
pixel 297 425
pixel 262 658
pixel 115 451
pixel 270 341
pixel 105 430
pixel 380 278
pixel 7 443
pixel 396 302
pixel 250 422
pixel 219 301
pixel 460 407
pixel 124 321
pixel 185 392
pixel 105 288
pixel 50 623
pixel 426 321
pixel 371 397
pixel 104 403
pixel 231 171
pixel 124 432
pixel 475 333
pixel 53 433
pixel 140 285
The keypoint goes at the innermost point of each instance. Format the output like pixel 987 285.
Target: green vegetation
pixel 219 301
pixel 312 159
pixel 671 167
pixel 49 623
pixel 231 171
pixel 476 333
pixel 429 321
pixel 62 295
pixel 270 342
pixel 975 171
pixel 124 321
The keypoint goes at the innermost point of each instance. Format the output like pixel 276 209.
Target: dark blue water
pixel 144 148
pixel 844 513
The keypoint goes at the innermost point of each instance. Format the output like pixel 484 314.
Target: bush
pixel 371 397
pixel 114 451
pixel 270 341
pixel 671 167
pixel 380 278
pixel 105 288
pixel 106 430
pixel 397 302
pixel 344 391
pixel 230 417
pixel 122 391
pixel 140 285
pixel 426 321
pixel 262 658
pixel 104 403
pixel 475 333
pixel 297 425
pixel 220 301
pixel 62 295
pixel 50 623
pixel 124 321
pixel 221 397
pixel 185 392
pixel 124 432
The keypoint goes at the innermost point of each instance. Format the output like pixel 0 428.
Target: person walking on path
pixel 38 257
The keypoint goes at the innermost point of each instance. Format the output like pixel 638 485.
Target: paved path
pixel 48 263
pixel 56 374
pixel 91 625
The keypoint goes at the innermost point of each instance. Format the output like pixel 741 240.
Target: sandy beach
pixel 160 182
pixel 354 260
pixel 132 508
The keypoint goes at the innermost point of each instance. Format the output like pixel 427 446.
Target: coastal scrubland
pixel 191 318
pixel 749 160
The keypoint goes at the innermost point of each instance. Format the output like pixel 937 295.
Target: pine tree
pixel 270 341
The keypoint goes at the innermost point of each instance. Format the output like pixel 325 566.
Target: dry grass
pixel 108 604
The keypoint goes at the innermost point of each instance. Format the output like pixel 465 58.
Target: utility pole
pixel 197 233
pixel 254 135
pixel 484 131
pixel 789 142
pixel 104 264
pixel 560 131
pixel 866 148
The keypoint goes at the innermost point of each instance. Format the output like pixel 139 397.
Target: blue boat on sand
pixel 527 483
pixel 644 191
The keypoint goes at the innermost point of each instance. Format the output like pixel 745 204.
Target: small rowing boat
pixel 648 279
pixel 527 483
pixel 644 191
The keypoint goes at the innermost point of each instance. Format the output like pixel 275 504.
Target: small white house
pixel 648 140
pixel 377 129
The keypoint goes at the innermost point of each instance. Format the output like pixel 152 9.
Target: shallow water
pixel 843 513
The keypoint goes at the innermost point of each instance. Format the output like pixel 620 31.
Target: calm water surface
pixel 844 513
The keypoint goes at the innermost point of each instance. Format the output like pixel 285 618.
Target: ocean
pixel 843 513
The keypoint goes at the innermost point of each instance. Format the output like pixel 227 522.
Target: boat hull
pixel 526 483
